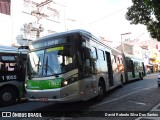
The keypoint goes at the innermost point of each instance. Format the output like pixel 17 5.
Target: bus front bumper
pixel 56 95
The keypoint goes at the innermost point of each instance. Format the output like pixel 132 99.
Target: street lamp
pixel 122 41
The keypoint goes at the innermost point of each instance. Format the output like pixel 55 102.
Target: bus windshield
pixel 51 61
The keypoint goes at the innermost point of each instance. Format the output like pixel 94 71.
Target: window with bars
pixel 5 6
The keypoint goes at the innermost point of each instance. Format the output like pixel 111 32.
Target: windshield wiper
pixel 50 69
pixel 38 63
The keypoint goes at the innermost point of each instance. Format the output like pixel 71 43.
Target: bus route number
pixel 9 77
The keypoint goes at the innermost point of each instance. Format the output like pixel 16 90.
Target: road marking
pixel 141 86
pixel 138 103
pixel 147 118
pixel 156 108
pixel 122 96
pixel 151 118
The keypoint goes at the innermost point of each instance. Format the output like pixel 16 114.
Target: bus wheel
pixel 7 96
pixel 140 76
pixel 101 91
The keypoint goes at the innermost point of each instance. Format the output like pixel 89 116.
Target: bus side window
pixel 114 63
pixel 16 67
pixel 120 65
pixel 94 60
pixel 3 67
pixel 129 65
pixel 87 63
pixel 102 66
pixel 101 55
pixel 135 65
pixel 93 53
pixel 9 67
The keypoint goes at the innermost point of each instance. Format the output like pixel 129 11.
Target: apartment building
pixel 25 20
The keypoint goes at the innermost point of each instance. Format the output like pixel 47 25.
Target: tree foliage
pixel 146 12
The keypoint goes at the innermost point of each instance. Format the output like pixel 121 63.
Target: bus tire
pixel 101 91
pixel 7 96
pixel 140 76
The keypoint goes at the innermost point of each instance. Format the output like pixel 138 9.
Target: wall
pixel 5 29
pixel 12 26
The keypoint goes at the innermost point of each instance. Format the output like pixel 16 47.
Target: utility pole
pixel 37 13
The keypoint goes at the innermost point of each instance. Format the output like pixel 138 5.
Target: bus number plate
pixel 45 99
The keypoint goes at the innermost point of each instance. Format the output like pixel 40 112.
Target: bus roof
pixel 10 49
pixel 81 31
pixel 63 33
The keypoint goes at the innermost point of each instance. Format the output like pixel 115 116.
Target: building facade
pixel 5 22
pixel 148 50
pixel 25 20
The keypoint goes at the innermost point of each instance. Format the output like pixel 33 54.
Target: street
pixel 139 96
pixel 80 60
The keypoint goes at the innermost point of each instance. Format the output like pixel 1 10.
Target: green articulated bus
pixel 134 67
pixel 12 74
pixel 72 66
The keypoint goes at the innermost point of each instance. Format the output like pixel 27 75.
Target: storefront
pixel 149 68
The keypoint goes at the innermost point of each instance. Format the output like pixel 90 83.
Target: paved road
pixel 138 97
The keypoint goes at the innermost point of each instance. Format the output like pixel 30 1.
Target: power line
pixel 106 16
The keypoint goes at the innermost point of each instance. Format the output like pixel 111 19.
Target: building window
pixel 5 6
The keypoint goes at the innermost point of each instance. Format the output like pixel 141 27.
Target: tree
pixel 146 12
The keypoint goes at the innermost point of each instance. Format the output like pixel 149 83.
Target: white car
pixel 159 80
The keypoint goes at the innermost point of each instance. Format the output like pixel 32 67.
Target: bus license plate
pixel 45 99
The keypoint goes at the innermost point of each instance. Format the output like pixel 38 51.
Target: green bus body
pixel 73 66
pixel 12 74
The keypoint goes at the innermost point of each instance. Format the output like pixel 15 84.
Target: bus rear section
pixel 134 68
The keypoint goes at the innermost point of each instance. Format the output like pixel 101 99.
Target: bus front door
pixel 110 71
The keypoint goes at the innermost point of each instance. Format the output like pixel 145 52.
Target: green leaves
pixel 146 12
pixel 138 13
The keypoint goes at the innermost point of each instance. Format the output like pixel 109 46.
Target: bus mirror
pixel 86 53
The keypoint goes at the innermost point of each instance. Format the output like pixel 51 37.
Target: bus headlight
pixel 65 82
pixel 69 81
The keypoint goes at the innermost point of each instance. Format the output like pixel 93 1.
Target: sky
pixel 105 18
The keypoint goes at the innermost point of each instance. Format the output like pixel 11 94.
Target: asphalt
pixel 154 113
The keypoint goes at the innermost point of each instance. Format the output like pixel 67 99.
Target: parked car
pixel 159 80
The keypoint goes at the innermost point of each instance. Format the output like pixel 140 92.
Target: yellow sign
pixel 54 49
